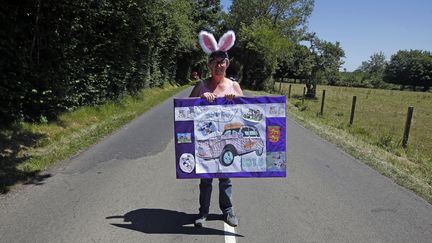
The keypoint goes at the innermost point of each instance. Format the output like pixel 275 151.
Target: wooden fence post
pixel 407 126
pixel 354 99
pixel 304 94
pixel 280 85
pixel 322 103
pixel 289 91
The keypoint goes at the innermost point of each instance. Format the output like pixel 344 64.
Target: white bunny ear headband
pixel 208 42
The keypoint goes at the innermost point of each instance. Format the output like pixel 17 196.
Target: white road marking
pixel 229 238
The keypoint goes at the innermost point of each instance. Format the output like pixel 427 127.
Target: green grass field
pixel 379 116
pixel 379 121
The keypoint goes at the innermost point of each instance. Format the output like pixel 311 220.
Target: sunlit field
pixel 379 118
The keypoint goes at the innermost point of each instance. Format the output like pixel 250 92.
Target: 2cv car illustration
pixel 237 139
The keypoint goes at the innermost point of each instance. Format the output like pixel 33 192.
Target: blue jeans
pixel 225 195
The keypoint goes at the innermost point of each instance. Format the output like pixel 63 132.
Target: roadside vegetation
pixel 376 133
pixel 29 148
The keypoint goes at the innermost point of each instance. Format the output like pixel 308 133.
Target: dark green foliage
pixel 412 68
pixel 353 79
pixel 373 70
pixel 269 44
pixel 325 59
pixel 266 31
pixel 297 65
pixel 57 55
pixel 406 68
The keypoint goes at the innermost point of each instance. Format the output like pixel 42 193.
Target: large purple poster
pixel 244 137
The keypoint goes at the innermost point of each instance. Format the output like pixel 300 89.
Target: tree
pixel 352 79
pixel 374 69
pixel 297 64
pixel 326 61
pixel 412 68
pixel 206 15
pixel 266 30
pixel 288 15
pixel 262 46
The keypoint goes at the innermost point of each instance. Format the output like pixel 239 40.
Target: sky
pixel 365 27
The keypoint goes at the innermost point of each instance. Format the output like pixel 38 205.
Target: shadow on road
pixel 162 221
pixel 14 142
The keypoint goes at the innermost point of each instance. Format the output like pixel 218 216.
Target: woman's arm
pixel 238 89
pixel 210 97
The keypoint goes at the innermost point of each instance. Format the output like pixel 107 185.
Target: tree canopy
pixel 374 70
pixel 60 55
pixel 57 56
pixel 413 67
pixel 267 32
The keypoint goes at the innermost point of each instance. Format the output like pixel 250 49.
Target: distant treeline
pixel 406 68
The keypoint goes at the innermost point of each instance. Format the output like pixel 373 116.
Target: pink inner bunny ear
pixel 226 41
pixel 207 42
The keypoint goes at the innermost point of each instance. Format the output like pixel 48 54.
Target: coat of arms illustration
pixel 274 133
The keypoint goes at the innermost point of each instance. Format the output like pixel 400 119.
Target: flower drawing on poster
pixel 187 162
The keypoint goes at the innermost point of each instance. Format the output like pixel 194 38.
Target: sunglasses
pixel 214 62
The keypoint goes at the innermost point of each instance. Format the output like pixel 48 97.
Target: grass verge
pixel 27 148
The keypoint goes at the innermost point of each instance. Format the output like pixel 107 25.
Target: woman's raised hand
pixel 210 97
pixel 230 97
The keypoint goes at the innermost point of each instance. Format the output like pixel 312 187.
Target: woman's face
pixel 218 66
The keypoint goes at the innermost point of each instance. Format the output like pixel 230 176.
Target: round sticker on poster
pixel 187 162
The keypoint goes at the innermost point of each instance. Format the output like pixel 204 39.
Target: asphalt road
pixel 123 189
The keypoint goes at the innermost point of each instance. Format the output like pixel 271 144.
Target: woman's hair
pixel 218 54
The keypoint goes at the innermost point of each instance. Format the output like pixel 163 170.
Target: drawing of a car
pixel 236 139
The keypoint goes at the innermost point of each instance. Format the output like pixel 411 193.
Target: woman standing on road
pixel 216 86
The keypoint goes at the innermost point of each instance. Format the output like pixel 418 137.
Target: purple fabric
pixel 186 102
pixel 272 161
pixel 279 145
